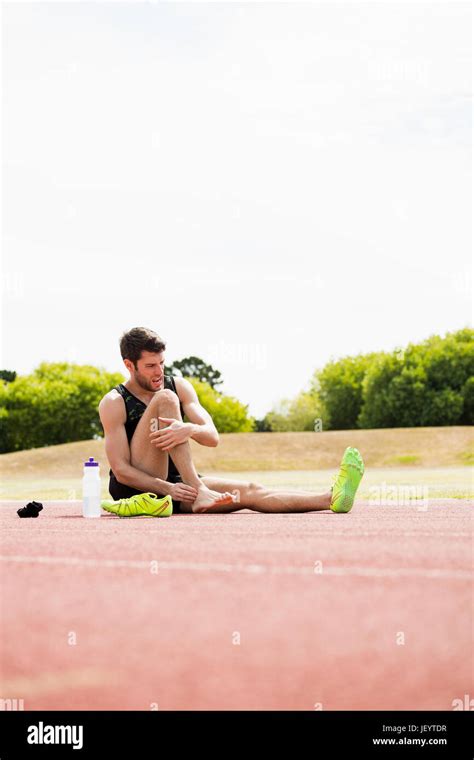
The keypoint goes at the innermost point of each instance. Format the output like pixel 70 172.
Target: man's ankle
pixel 194 483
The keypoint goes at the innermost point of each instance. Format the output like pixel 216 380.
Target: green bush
pixel 57 403
pixel 339 387
pixel 428 384
pixel 467 417
pixel 394 395
pixel 229 415
pixel 297 415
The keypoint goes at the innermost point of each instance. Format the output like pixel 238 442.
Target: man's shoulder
pixel 181 384
pixel 174 380
pixel 111 395
pixel 112 403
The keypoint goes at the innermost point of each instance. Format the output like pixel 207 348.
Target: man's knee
pixel 251 491
pixel 254 487
pixel 164 399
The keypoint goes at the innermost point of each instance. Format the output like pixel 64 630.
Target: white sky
pixel 265 185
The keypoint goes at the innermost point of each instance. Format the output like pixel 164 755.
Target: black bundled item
pixel 32 509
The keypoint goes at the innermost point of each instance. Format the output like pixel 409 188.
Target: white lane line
pixel 320 534
pixel 217 567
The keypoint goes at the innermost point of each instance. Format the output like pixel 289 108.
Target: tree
pixel 263 425
pixel 7 375
pixel 193 366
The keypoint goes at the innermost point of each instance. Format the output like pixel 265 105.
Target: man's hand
pixel 169 437
pixel 182 492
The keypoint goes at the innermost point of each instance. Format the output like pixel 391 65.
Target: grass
pixel 407 459
pixel 237 452
pixel 435 458
pixel 468 457
pixel 443 482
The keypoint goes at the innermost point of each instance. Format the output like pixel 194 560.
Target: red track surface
pixel 306 637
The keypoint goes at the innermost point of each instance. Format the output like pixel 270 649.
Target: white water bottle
pixel 91 489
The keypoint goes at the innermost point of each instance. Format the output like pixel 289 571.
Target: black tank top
pixel 135 408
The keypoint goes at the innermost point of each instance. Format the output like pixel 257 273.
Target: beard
pixel 144 382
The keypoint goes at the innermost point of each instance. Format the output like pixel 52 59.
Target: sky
pixel 268 186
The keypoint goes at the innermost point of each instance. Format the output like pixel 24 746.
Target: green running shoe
pixel 346 482
pixel 141 505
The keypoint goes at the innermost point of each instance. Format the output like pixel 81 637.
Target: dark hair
pixel 139 339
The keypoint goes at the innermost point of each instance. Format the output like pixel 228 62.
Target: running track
pixel 156 608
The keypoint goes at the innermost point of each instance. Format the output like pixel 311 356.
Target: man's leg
pixel 261 499
pixel 147 457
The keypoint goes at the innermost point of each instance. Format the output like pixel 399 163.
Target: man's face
pixel 150 371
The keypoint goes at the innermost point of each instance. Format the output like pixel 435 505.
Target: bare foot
pixel 207 499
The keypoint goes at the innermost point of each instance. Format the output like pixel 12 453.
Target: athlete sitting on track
pixel 147 445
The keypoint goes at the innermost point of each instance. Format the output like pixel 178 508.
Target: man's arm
pixel 112 416
pixel 202 426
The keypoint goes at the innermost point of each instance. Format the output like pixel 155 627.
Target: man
pixel 147 445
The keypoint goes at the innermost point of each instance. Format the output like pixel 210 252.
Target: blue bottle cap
pixel 91 463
